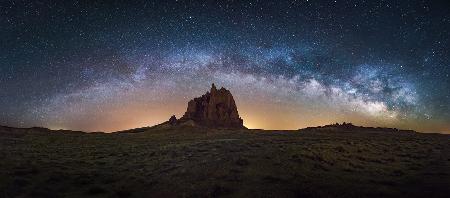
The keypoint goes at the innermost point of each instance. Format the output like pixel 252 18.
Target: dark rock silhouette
pixel 173 120
pixel 349 127
pixel 216 109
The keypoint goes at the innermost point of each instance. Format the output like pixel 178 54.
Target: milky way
pixel 99 66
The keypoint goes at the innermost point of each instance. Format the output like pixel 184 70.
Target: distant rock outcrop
pixel 349 127
pixel 216 109
pixel 173 120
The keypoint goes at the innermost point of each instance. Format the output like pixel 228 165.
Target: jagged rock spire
pixel 216 108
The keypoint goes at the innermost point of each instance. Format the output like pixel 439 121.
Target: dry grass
pixel 192 162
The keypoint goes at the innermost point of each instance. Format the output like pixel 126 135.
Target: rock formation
pixel 215 109
pixel 173 120
pixel 349 127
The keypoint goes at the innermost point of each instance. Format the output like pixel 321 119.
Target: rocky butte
pixel 215 109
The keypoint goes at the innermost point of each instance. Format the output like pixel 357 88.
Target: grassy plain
pixel 199 162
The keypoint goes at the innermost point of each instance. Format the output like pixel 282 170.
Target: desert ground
pixel 200 162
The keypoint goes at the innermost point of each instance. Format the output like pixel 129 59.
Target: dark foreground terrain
pixel 194 162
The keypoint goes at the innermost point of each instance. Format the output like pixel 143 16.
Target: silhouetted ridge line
pixel 349 127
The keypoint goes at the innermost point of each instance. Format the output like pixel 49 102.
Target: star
pixel 97 67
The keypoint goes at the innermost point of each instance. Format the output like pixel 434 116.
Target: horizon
pixel 248 126
pixel 289 64
pixel 299 129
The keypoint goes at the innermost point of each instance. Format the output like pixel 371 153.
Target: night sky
pixel 113 65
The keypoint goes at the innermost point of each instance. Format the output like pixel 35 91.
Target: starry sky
pixel 114 65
